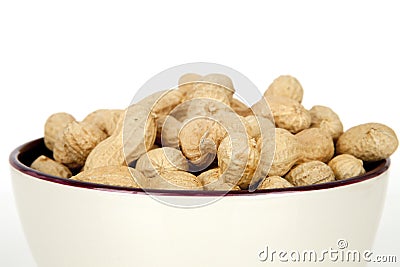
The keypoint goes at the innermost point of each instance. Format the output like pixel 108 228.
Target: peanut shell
pixel 49 166
pixel 214 84
pixel 135 134
pixel 212 180
pixel 326 119
pixel 289 114
pixel 316 144
pixel 287 152
pixel 346 166
pixel 286 86
pixel 168 130
pixel 139 131
pixel 162 102
pixel 240 108
pixel 105 119
pixel 176 180
pixel 54 128
pixel 368 142
pixel 262 109
pixel 186 83
pixel 237 159
pixel 112 175
pixel 309 173
pixel 199 137
pixel 274 182
pixel 76 143
pixel 157 161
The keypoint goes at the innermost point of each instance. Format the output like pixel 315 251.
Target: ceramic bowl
pixel 70 223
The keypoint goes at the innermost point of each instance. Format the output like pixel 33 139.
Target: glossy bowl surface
pixel 71 223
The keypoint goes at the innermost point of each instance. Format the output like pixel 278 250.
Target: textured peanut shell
pixel 346 166
pixel 215 83
pixel 167 131
pixel 289 114
pixel 176 180
pixel 211 92
pixel 105 119
pixel 368 142
pixel 262 109
pixel 134 135
pixel 326 119
pixel 274 182
pixel 187 81
pixel 287 152
pixel 237 159
pixel 108 153
pixel 76 142
pixel 49 166
pixel 212 181
pixel 139 131
pixel 167 102
pixel 316 144
pixel 256 124
pixel 54 128
pixel 265 147
pixel 219 186
pixel 231 122
pixel 309 173
pixel 162 102
pixel 209 177
pixel 186 85
pixel 112 175
pixel 240 108
pixel 214 86
pixel 160 160
pixel 199 137
pixel 220 79
pixel 207 106
pixel 286 86
pixel 189 77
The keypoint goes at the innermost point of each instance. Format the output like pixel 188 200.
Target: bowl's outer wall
pixel 72 226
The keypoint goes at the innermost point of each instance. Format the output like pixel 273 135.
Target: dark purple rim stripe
pixel 17 164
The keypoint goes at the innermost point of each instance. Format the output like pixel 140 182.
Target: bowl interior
pixel 22 157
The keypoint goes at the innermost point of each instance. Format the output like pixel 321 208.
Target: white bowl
pixel 69 223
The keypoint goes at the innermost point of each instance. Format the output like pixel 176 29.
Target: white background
pixel 78 56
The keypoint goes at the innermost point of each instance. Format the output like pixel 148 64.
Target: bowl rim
pixel 16 163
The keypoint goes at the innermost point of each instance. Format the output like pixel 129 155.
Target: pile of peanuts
pixel 200 136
